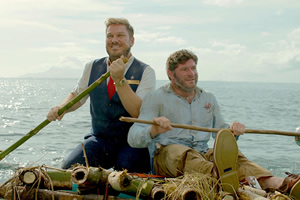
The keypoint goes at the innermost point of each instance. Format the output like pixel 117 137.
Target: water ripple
pixel 25 103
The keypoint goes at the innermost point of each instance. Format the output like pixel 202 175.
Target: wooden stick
pixel 198 128
pixel 61 111
pixel 85 156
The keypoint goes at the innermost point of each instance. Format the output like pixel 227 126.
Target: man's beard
pixel 180 84
pixel 125 53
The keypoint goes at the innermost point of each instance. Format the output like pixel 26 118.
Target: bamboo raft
pixel 89 183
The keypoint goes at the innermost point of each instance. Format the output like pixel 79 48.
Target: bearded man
pixel 175 151
pixel 106 145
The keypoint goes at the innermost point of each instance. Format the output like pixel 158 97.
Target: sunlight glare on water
pixel 25 103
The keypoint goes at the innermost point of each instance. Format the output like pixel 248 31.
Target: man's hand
pixel 163 125
pixel 117 69
pixel 237 128
pixel 53 114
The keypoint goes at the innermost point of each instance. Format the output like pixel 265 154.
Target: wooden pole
pixel 61 111
pixel 198 128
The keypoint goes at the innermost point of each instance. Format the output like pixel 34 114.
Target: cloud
pixel 279 12
pixel 223 60
pixel 228 49
pixel 244 40
pixel 220 49
pixel 60 47
pixel 223 3
pixel 155 21
pixel 285 60
pixel 66 7
pixel 284 54
pixel 264 34
pixel 30 25
pixel 159 37
pixel 294 38
pixel 172 40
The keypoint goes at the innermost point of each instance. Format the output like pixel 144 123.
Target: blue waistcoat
pixel 106 113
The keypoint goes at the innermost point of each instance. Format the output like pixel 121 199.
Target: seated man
pixel 120 95
pixel 182 150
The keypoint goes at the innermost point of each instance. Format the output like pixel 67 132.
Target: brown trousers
pixel 175 160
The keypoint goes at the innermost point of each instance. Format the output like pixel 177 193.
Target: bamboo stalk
pixel 157 192
pixel 198 128
pixel 120 181
pixel 123 182
pixel 34 193
pixel 259 192
pixel 61 111
pixel 190 193
pixel 87 177
pixel 244 194
pixel 59 179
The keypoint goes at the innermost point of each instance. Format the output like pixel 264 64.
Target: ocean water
pixel 24 104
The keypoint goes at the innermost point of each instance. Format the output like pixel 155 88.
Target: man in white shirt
pixel 122 95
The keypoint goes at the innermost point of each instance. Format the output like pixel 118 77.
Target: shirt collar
pixel 168 89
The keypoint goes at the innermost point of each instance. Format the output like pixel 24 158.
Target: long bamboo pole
pixel 198 128
pixel 62 110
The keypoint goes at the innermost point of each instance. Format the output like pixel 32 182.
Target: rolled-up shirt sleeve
pixel 83 82
pixel 139 134
pixel 148 82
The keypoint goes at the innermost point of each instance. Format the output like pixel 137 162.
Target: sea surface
pixel 24 104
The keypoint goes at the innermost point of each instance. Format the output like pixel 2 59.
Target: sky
pixel 235 40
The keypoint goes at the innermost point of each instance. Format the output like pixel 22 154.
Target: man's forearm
pixel 67 100
pixel 130 100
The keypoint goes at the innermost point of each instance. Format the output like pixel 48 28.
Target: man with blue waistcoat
pixel 120 95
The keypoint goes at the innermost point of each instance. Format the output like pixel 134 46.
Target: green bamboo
pixel 60 179
pixel 61 111
pixel 125 183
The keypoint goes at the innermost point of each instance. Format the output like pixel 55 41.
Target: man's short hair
pixel 122 21
pixel 180 57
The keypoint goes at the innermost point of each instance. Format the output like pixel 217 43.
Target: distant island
pixel 56 72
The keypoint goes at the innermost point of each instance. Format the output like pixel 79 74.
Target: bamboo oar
pixel 198 128
pixel 61 111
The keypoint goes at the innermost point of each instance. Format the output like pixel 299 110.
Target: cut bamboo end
pixel 245 194
pixel 190 193
pixel 228 197
pixel 28 177
pixel 120 181
pixel 80 175
pixel 259 192
pixel 157 193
